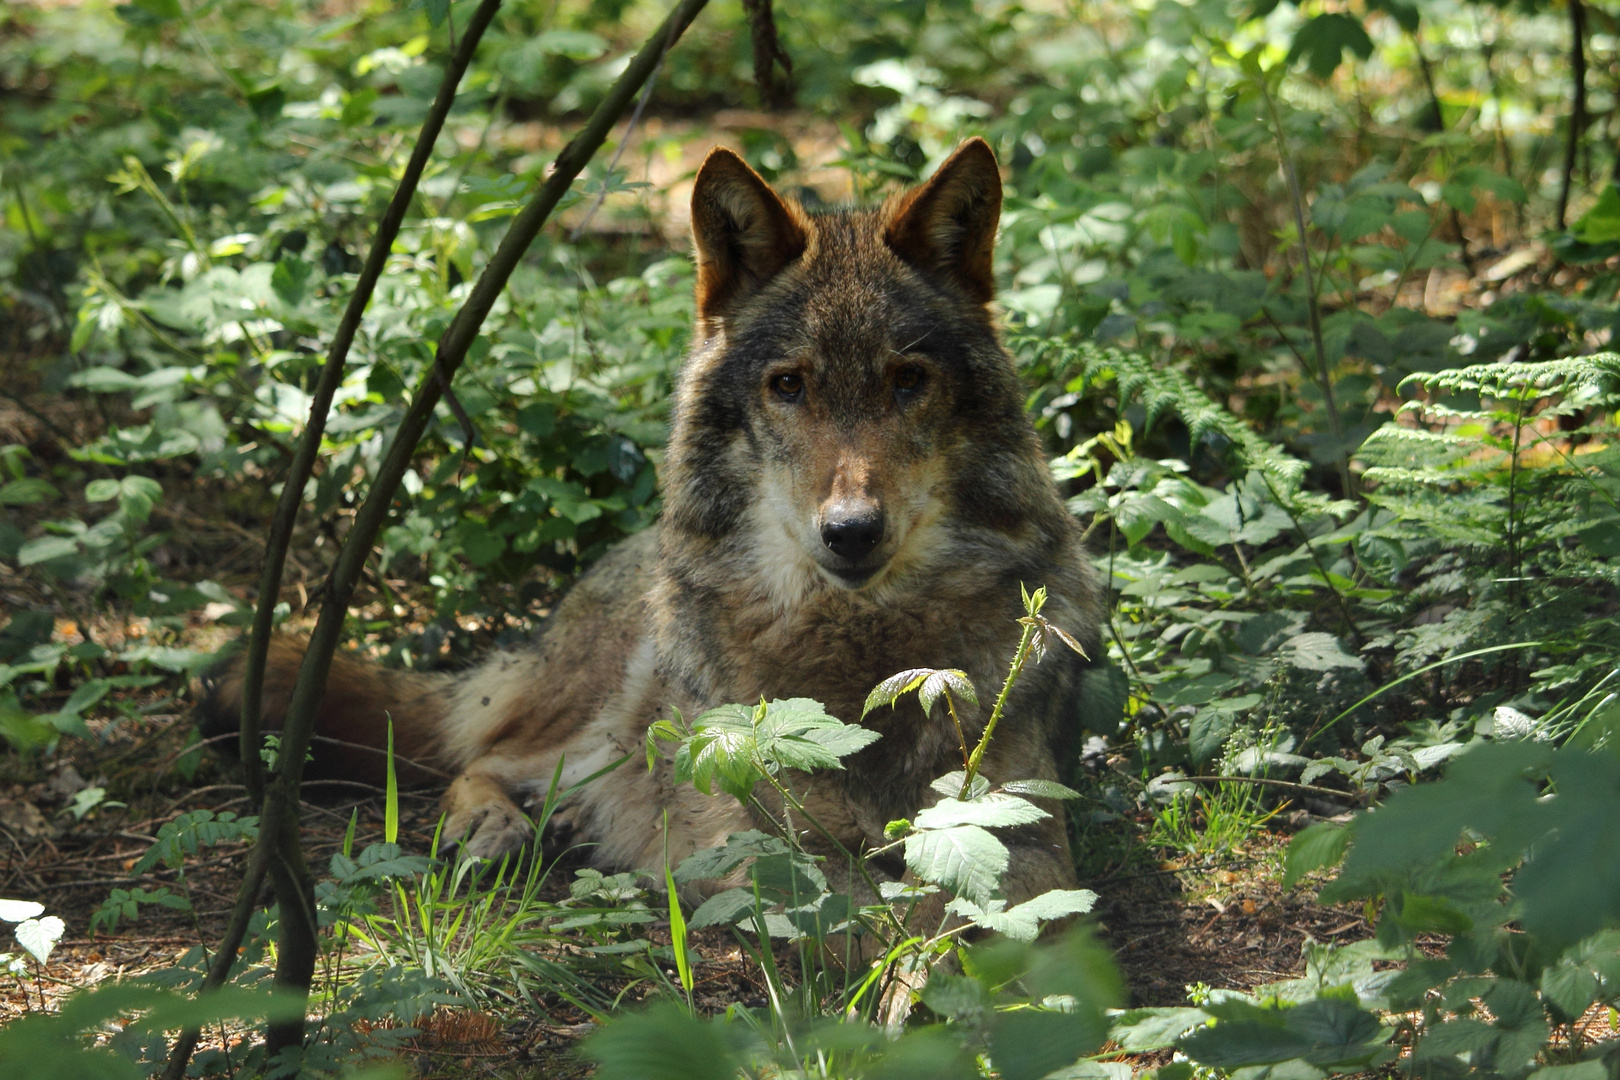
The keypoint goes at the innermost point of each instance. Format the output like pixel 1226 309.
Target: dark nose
pixel 853 534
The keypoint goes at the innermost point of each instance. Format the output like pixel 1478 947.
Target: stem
pixel 331 377
pixel 961 737
pixel 1513 488
pixel 1577 113
pixel 1017 668
pixel 1323 376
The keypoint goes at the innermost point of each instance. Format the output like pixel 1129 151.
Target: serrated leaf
pixel 717 862
pixel 1317 652
pixel 1572 989
pixel 1042 789
pixel 1140 1030
pixel 940 682
pixel 992 810
pixel 951 785
pixel 663 1042
pixel 1023 922
pixel 967 860
pixel 889 690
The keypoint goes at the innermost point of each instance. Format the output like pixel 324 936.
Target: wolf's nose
pixel 853 536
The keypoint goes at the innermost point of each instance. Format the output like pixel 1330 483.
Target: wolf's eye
pixel 909 379
pixel 789 387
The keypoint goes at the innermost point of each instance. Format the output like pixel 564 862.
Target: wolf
pixel 851 488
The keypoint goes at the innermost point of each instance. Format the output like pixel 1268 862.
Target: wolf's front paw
pixel 489 831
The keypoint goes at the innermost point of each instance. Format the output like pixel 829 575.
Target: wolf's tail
pixel 351 725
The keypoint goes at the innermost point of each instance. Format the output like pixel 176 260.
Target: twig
pixel 629 129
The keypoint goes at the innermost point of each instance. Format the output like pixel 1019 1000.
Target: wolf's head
pixel 848 417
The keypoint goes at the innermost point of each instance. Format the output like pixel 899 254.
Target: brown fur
pixel 845 369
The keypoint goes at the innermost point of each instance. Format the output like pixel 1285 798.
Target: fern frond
pixel 1597 371
pixel 1165 390
pixel 1394 474
pixel 1395 433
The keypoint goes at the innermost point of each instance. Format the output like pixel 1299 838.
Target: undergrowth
pixel 1313 325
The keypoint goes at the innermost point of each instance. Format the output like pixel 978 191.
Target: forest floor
pixel 1173 922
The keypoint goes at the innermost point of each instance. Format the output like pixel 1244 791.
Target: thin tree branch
pixel 309 443
pixel 279 824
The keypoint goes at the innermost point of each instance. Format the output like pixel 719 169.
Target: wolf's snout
pixel 852 533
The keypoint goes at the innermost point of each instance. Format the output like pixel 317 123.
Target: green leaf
pixel 573 44
pixel 1323 40
pixel 956 997
pixel 161 9
pixel 46 548
pixel 1600 224
pixel 1572 989
pixel 436 12
pixel 967 860
pixel 666 1043
pixel 1207 734
pixel 1317 652
pixel 991 810
pixel 889 690
pixel 723 908
pixel 27 491
pixel 1042 789
pixel 1140 1030
pixel 1107 693
pixel 1023 922
pixel 1585 1070
pixel 1313 848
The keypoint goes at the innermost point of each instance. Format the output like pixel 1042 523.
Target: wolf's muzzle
pixel 851 538
pixel 855 536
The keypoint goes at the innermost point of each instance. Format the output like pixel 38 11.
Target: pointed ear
pixel 947 227
pixel 743 231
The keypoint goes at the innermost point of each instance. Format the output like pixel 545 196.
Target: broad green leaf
pixel 1572 989
pixel 711 863
pixel 889 690
pixel 1140 1030
pixel 1317 652
pixel 39 936
pixel 1314 848
pixel 723 908
pixel 666 1043
pixel 1323 40
pixel 992 810
pixel 27 491
pixel 967 860
pixel 950 785
pixel 45 548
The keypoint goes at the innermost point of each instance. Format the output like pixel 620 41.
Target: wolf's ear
pixel 743 232
pixel 947 227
